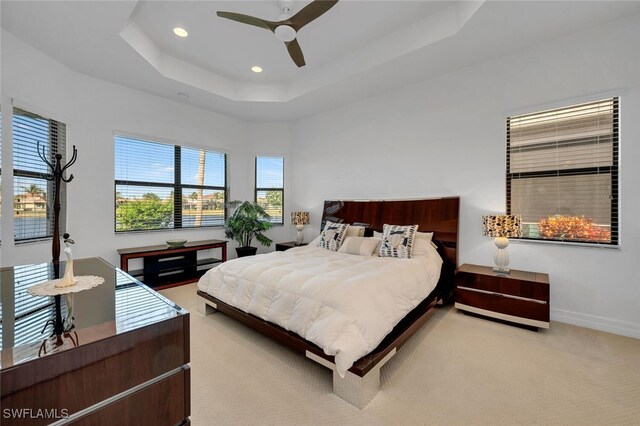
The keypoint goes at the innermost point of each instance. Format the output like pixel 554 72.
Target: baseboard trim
pixel 595 322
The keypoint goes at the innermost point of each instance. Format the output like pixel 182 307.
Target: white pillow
pixel 424 236
pixel 421 247
pixel 315 241
pixel 362 246
pixel 355 231
pixel 377 234
pixel 332 235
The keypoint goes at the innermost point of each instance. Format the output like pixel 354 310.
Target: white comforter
pixel 345 304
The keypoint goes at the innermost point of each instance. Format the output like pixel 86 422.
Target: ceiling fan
pixel 286 29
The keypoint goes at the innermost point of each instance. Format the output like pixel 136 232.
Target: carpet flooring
pixel 457 370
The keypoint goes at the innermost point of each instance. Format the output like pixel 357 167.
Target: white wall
pixel 93 109
pixel 446 136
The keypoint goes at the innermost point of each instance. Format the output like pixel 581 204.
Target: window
pixel 163 186
pixel 32 193
pixel 562 173
pixel 270 186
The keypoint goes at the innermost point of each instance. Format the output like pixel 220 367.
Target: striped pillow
pixel 397 241
pixel 362 246
pixel 332 236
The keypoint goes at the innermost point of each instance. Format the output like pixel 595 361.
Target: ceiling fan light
pixel 285 33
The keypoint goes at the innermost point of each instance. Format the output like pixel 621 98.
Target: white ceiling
pixel 355 50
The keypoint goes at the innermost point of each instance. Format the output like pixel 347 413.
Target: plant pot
pixel 246 251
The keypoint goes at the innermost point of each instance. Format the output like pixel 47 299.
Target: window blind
pixel 33 193
pixel 164 186
pixel 270 187
pixel 562 172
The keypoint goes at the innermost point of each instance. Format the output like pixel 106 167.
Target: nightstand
pixel 520 297
pixel 286 246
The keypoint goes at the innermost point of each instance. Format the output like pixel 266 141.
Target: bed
pixel 349 313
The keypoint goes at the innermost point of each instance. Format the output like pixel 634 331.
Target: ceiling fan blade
pixel 310 12
pixel 296 53
pixel 250 20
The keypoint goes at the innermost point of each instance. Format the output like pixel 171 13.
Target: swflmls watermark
pixel 35 413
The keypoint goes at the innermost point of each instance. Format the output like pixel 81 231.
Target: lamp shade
pixel 299 218
pixel 502 225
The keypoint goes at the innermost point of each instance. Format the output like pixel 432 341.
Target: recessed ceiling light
pixel 180 32
pixel 256 69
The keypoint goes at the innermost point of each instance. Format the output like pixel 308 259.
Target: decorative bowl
pixel 176 243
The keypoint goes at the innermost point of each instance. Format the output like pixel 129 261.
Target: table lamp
pixel 299 219
pixel 502 227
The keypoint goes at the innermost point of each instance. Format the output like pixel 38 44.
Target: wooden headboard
pixel 437 215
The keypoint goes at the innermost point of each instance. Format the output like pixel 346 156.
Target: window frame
pixel 258 189
pixel 613 171
pixel 177 186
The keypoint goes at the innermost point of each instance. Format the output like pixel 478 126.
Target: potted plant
pixel 248 221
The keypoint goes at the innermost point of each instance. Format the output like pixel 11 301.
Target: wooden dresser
pixel 520 297
pixel 125 362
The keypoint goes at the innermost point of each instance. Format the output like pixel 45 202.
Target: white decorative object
pixel 502 227
pixel 50 288
pixel 68 279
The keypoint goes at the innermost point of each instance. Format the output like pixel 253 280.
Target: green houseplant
pixel 248 221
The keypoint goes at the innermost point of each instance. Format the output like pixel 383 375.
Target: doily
pixel 48 288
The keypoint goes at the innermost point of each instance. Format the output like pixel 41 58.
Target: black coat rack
pixel 56 176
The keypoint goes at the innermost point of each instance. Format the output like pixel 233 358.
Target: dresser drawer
pixel 506 285
pixel 514 306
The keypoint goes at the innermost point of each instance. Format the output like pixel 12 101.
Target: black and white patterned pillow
pixel 332 235
pixel 397 241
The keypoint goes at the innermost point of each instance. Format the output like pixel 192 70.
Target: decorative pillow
pixel 397 241
pixel 332 236
pixel 362 246
pixel 355 231
pixel 424 236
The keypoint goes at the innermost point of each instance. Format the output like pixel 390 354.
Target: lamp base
pixel 500 271
pixel 501 257
pixel 299 235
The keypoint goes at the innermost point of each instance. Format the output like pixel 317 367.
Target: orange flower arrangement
pixel 577 228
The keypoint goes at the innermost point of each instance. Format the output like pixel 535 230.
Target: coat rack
pixel 56 177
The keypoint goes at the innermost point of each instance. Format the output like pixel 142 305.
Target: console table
pixel 165 266
pixel 125 362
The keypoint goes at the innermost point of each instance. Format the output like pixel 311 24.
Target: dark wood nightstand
pixel 520 297
pixel 286 246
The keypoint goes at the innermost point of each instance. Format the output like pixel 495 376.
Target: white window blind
pixel 562 172
pixel 164 186
pixel 33 193
pixel 270 186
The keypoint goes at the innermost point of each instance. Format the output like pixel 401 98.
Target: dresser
pixel 520 297
pixel 124 362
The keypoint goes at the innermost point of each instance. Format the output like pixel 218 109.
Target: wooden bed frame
pixel 362 382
